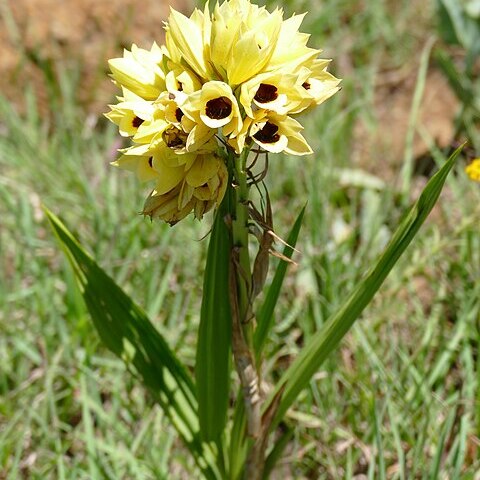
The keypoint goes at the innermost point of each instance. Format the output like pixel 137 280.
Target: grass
pixel 399 400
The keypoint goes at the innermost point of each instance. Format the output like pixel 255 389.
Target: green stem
pixel 243 350
pixel 240 241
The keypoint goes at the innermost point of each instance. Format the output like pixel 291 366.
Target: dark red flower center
pixel 178 114
pixel 266 93
pixel 136 122
pixel 268 134
pixel 219 108
pixel 306 85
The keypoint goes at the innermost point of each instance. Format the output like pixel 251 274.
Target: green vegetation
pixel 398 400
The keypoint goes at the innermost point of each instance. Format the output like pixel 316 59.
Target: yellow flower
pixel 138 160
pixel 155 161
pixel 130 113
pixel 151 130
pixel 274 133
pixel 171 126
pixel 473 170
pixel 202 186
pixel 170 104
pixel 200 136
pixel 184 40
pixel 180 79
pixel 216 107
pixel 271 91
pixel 140 71
pixel 243 39
pixel 291 48
pixel 166 122
pixel 318 84
pixel 240 73
pixel 170 172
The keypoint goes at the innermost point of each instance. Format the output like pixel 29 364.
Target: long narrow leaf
pixel 126 331
pixel 299 374
pixel 213 364
pixel 265 314
pixel 459 83
pixel 277 451
pixel 238 447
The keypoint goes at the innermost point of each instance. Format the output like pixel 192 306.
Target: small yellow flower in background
pixel 224 81
pixel 473 170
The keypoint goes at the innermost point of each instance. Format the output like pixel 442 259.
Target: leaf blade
pixel 326 340
pixel 127 332
pixel 213 364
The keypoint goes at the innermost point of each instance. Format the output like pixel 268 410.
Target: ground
pixel 398 400
pixel 73 34
pixel 45 38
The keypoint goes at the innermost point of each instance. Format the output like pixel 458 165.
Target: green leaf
pixel 277 452
pixel 299 374
pixel 213 363
pixel 458 82
pixel 408 161
pixel 126 331
pixel 265 314
pixel 439 456
pixel 457 25
pixel 238 447
pixel 449 16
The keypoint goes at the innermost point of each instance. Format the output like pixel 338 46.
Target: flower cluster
pixel 232 78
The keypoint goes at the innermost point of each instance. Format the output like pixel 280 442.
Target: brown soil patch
pixel 380 148
pixel 43 37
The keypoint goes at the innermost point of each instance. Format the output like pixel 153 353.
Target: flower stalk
pixel 240 296
pixel 228 81
pixel 240 238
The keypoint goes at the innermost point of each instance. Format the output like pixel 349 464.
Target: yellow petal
pixel 198 137
pixel 185 195
pixel 204 168
pixel 291 50
pixel 253 49
pixel 168 178
pixel 184 39
pixel 165 207
pixel 139 164
pixel 139 71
